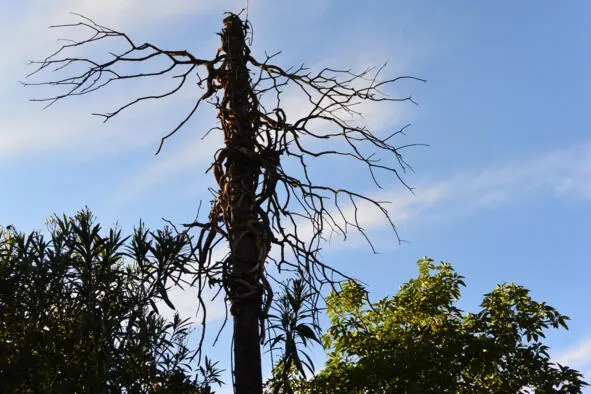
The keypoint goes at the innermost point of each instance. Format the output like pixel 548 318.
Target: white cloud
pixel 24 129
pixel 402 206
pixel 546 174
pixel 27 35
pixel 82 136
pixel 579 354
pixel 186 300
pixel 121 14
pixel 578 357
pixel 59 132
pixel 563 173
pixel 566 173
pixel 128 13
pixel 295 104
pixel 171 165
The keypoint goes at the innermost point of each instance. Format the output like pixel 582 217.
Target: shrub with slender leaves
pixel 79 313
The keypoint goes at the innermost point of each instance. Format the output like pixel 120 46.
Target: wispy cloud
pixel 564 173
pixel 579 354
pixel 128 13
pixel 186 299
pixel 174 164
pixel 578 357
pixel 24 129
pixel 170 165
pixel 186 302
pixel 76 133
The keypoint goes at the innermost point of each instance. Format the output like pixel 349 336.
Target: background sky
pixel 503 192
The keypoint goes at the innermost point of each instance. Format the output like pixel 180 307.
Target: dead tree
pixel 258 205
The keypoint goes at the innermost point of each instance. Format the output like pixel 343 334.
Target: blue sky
pixel 503 192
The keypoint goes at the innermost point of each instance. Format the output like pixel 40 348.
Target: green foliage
pixel 293 326
pixel 418 341
pixel 78 312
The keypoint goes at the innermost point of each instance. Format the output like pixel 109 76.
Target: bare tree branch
pixel 276 206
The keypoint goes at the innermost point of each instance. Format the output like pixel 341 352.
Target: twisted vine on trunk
pixel 237 173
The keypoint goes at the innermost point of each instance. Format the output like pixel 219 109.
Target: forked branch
pixel 288 213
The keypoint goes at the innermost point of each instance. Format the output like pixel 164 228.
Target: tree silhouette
pixel 79 312
pixel 259 204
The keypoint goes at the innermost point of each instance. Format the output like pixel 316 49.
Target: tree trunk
pixel 238 191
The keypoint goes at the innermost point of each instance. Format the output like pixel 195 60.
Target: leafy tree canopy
pixel 419 341
pixel 78 312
